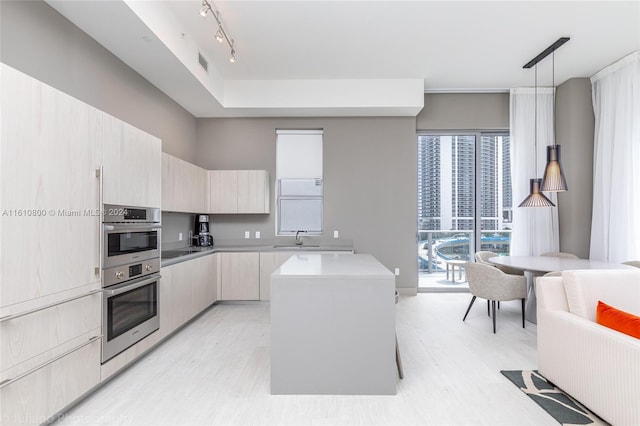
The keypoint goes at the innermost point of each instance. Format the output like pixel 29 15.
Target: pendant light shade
pixel 553 179
pixel 536 198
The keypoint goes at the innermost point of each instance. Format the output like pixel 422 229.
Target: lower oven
pixel 130 313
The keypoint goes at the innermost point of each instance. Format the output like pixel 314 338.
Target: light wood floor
pixel 216 372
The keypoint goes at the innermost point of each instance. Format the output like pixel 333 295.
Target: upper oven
pixel 131 234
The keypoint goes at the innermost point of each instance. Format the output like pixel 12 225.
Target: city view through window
pixel 463 180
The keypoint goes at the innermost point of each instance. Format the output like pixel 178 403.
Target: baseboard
pixel 407 291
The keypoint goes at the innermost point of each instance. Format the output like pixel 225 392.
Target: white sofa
pixel 598 366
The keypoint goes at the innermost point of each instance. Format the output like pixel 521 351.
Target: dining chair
pixel 635 263
pixel 560 254
pixel 492 284
pixel 484 256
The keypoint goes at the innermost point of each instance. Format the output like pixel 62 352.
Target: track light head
pixel 219 36
pixel 232 58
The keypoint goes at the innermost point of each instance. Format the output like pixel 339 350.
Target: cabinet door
pixel 33 398
pixel 132 165
pixel 253 191
pixel 33 337
pixel 240 276
pixel 184 186
pixel 194 185
pixel 50 148
pixel 203 294
pixel 269 262
pixel 223 191
pixel 169 178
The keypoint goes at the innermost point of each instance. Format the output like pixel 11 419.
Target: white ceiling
pixel 333 57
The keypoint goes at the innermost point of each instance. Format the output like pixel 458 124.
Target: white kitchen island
pixel 333 326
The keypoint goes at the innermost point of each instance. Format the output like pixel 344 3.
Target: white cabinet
pixel 184 186
pixel 269 262
pixel 33 398
pixel 186 289
pixel 238 191
pixel 223 191
pixel 253 191
pixel 239 276
pixel 50 357
pixel 132 165
pixel 50 149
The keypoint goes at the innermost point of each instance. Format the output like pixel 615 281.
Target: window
pixel 299 186
pixel 464 196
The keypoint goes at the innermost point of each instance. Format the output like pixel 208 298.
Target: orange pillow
pixel 618 320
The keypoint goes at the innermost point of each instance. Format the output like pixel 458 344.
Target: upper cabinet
pixel 50 149
pixel 184 186
pixel 132 165
pixel 238 191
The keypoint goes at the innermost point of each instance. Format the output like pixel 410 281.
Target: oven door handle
pixel 124 287
pixel 131 227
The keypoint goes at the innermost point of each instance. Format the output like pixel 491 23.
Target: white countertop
pixel 332 265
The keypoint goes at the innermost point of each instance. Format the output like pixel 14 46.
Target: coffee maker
pixel 203 237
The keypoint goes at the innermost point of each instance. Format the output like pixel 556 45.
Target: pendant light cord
pixel 553 87
pixel 535 121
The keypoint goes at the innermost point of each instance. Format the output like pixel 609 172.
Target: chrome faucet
pixel 299 238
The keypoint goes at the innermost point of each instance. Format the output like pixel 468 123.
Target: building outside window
pixel 464 196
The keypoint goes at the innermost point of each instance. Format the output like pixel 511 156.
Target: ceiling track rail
pixel 546 52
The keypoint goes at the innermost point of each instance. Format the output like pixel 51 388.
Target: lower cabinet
pixel 269 262
pixel 49 356
pixel 240 276
pixel 186 289
pixel 33 398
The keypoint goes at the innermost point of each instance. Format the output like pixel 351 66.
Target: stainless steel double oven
pixel 130 278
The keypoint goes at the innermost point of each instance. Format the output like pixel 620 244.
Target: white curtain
pixel 615 224
pixel 535 229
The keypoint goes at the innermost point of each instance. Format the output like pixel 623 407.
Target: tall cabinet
pixel 58 158
pixel 50 149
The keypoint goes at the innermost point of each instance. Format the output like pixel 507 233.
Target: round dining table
pixel 540 265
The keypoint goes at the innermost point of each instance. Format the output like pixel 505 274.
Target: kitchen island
pixel 333 326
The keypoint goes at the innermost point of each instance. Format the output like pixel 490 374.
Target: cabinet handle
pixel 40 308
pixel 98 269
pixel 7 382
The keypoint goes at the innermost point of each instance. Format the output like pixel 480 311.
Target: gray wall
pixel 575 132
pixel 369 180
pixel 464 111
pixel 38 41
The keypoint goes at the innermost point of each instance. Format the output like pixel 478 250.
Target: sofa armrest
pixel 598 366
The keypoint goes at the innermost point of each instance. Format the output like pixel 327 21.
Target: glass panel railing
pixel 437 246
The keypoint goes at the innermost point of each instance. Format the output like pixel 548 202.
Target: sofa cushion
pixel 618 320
pixel 615 287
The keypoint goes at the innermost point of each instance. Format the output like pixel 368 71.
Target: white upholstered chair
pixel 635 263
pixel 484 256
pixel 560 254
pixel 492 284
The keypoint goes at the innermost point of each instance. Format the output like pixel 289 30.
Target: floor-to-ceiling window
pixel 464 201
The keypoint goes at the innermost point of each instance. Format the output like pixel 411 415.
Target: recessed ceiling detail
pixel 334 58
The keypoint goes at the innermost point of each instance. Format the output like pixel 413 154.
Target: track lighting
pixel 205 9
pixel 221 35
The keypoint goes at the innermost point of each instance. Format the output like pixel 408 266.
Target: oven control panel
pixel 120 274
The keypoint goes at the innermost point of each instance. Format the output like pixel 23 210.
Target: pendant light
pixel 553 179
pixel 535 197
